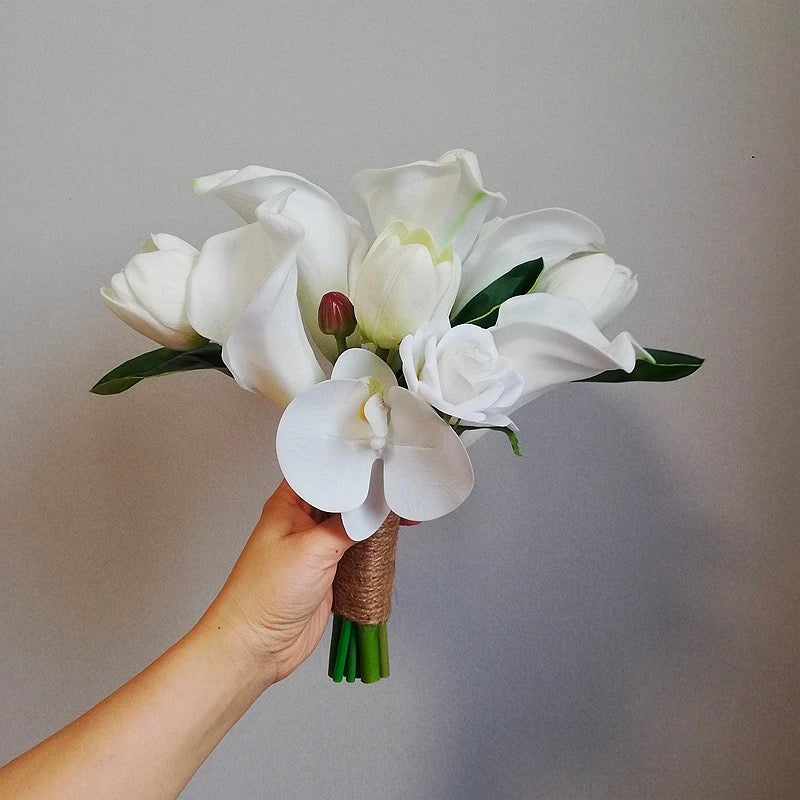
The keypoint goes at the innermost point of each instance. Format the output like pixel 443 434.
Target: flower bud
pixel 336 316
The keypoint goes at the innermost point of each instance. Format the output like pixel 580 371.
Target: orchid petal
pixel 323 445
pixel 552 340
pixel 550 233
pixel 427 472
pixel 166 241
pixel 446 197
pixel 361 522
pixel 357 363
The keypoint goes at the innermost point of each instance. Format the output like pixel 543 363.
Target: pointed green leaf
pixel 160 362
pixel 482 309
pixel 512 436
pixel 667 367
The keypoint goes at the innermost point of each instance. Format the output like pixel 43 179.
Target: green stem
pixel 336 632
pixel 341 342
pixel 369 653
pixel 352 657
pixel 382 352
pixel 383 649
pixel 341 650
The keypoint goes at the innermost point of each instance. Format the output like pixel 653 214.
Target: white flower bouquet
pixel 383 353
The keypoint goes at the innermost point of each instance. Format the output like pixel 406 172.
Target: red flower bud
pixel 336 315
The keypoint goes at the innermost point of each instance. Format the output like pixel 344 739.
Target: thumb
pixel 328 540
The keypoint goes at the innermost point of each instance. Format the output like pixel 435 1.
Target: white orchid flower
pixel 150 292
pixel 603 286
pixel 460 371
pixel 379 447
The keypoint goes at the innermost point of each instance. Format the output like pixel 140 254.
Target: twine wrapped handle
pixel 362 588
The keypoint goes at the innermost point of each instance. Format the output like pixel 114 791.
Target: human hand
pixel 278 597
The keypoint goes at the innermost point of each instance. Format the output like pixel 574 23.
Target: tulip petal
pixel 552 340
pixel 362 522
pixel 120 300
pixel 166 241
pixel 446 197
pixel 323 446
pixel 330 236
pixel 357 363
pixel 427 472
pixel 158 281
pixel 502 244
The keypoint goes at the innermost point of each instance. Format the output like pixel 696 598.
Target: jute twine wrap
pixel 362 589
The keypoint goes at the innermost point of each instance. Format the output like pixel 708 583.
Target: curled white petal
pixel 553 340
pixel 549 233
pixel 447 197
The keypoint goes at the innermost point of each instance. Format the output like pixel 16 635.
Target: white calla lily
pixel 381 448
pixel 332 239
pixel 243 294
pixel 549 233
pixel 446 197
pixel 150 292
pixel 603 286
pixel 403 282
pixel 553 340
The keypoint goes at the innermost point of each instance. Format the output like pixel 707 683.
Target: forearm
pixel 148 738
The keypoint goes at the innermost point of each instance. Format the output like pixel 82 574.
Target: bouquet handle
pixel 362 603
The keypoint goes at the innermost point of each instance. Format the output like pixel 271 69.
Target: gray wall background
pixel 613 617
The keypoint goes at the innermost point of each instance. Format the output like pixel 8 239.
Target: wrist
pixel 228 640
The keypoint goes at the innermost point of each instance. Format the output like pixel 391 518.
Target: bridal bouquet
pixel 386 352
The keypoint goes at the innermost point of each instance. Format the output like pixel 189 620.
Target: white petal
pixel 324 254
pixel 427 472
pixel 357 363
pixel 143 322
pixel 268 351
pixel 362 522
pixel 446 197
pixel 552 340
pixel 231 268
pixel 550 233
pixel 158 281
pixel 322 444
pixel 359 245
pixel 166 241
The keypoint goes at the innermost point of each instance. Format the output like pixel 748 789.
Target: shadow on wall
pixel 559 609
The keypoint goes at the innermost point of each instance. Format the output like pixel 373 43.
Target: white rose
pixel 150 292
pixel 602 285
pixel 403 282
pixel 460 372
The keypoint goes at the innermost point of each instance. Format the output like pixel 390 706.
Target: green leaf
pixel 482 309
pixel 667 367
pixel 512 436
pixel 160 362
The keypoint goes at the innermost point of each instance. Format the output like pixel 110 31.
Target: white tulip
pixel 150 292
pixel 603 286
pixel 403 282
pixel 378 446
pixel 460 372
